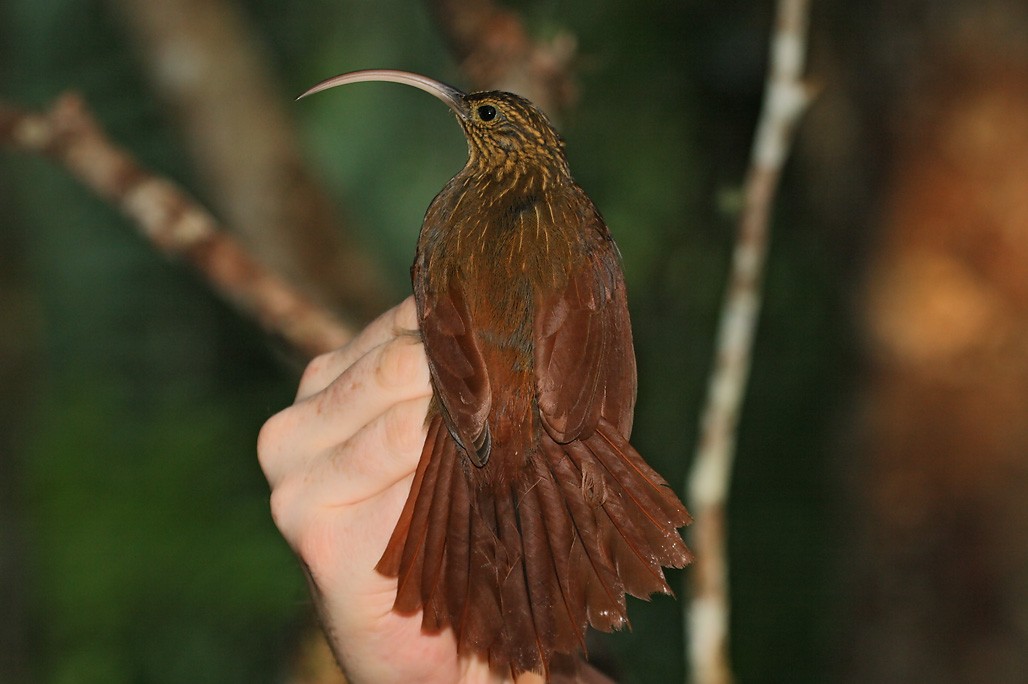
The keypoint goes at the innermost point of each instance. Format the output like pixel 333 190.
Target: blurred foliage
pixel 151 554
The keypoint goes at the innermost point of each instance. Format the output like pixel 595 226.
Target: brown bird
pixel 530 516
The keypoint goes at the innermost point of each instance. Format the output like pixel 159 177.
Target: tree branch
pixel 205 62
pixel 785 99
pixel 172 221
pixel 495 51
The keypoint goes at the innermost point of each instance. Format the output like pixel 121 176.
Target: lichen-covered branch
pixel 786 97
pixel 172 221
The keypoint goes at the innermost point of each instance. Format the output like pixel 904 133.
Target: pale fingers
pixel 322 370
pixel 381 454
pixel 390 373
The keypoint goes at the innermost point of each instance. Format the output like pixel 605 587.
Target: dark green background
pixel 138 543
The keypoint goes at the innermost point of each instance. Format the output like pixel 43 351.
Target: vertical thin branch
pixel 785 99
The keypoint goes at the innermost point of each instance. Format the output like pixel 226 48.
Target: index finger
pixel 323 369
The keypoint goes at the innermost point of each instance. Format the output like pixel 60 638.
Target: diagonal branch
pixel 206 63
pixel 172 221
pixel 785 99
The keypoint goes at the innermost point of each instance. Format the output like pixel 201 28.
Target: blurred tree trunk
pixel 941 562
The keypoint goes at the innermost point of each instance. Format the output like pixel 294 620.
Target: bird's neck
pixel 517 167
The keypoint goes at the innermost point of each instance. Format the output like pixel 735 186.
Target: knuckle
pixel 315 369
pixel 399 363
pixel 405 315
pixel 404 427
pixel 270 440
pixel 283 502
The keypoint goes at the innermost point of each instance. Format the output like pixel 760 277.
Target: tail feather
pixel 637 478
pixel 459 549
pixel 566 556
pixel 389 563
pixel 480 618
pixel 436 547
pixel 604 590
pixel 635 501
pixel 522 640
pixel 548 543
pixel 539 576
pixel 631 533
pixel 519 569
pixel 409 596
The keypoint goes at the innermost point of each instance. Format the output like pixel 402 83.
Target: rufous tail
pixel 520 573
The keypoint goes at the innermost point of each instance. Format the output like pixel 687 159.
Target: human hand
pixel 340 462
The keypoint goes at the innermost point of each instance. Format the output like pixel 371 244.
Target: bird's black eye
pixel 487 112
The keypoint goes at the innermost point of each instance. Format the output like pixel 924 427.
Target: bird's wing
pixel 584 360
pixel 458 368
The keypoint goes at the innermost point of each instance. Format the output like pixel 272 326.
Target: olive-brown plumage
pixel 530 516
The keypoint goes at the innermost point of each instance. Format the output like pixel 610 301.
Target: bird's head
pixel 504 131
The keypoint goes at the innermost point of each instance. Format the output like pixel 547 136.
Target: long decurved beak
pixel 453 98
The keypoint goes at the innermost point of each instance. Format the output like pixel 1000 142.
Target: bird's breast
pixel 505 244
pixel 505 249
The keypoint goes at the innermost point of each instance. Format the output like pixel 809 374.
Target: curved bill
pixel 452 97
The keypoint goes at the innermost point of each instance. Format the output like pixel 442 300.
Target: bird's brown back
pixel 531 516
